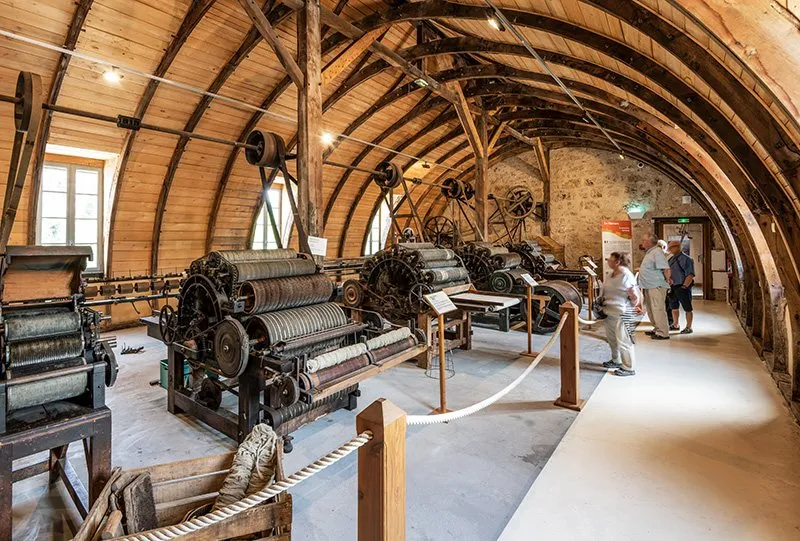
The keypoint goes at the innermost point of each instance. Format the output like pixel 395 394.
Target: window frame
pixel 278 212
pixel 382 221
pixel 73 165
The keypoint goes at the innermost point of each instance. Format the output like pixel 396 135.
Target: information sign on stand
pixel 440 303
pixel 528 279
pixel 590 270
pixel 617 236
pixel 592 264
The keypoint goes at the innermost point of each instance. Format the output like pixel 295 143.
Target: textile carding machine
pixel 499 270
pixel 544 265
pixel 256 322
pixel 394 283
pixel 51 350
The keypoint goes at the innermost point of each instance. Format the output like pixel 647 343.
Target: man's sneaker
pixel 687 330
pixel 650 333
pixel 657 337
pixel 674 328
pixel 612 364
pixel 623 372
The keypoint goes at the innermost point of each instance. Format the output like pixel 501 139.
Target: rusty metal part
pixel 267 295
pixel 231 347
pixel 378 354
pixel 277 417
pixel 352 293
pixel 265 149
pixel 506 260
pixel 321 377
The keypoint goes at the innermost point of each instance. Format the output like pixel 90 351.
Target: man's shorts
pixel 681 297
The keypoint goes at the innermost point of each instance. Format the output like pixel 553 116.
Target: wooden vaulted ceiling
pixel 655 73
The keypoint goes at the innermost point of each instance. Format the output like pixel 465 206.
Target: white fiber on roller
pixel 389 338
pixel 326 360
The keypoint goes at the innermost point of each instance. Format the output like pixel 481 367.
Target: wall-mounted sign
pixel 318 246
pixel 616 236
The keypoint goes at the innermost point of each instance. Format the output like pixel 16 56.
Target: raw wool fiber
pixel 326 360
pixel 388 338
pixel 253 466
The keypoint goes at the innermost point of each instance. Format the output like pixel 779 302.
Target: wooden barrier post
pixel 442 370
pixel 529 321
pixel 570 366
pixel 590 296
pixel 382 473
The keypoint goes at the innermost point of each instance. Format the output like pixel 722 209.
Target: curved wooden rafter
pixel 195 13
pixel 73 32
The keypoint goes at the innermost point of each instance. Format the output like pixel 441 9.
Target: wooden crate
pixel 179 487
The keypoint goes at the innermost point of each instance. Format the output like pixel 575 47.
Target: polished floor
pixel 699 445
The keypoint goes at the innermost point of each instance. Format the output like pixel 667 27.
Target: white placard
pixel 590 270
pixel 528 279
pixel 318 246
pixel 720 279
pixel 592 263
pixel 440 302
pixel 718 262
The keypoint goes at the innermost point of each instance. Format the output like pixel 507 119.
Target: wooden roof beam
pixel 268 33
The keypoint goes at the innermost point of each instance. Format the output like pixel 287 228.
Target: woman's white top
pixel 615 291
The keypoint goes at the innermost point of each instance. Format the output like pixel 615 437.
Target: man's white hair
pixel 662 243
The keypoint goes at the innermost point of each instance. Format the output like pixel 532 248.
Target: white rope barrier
pixel 587 322
pixel 465 412
pixel 198 523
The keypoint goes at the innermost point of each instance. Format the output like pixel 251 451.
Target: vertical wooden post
pixel 442 371
pixel 529 321
pixel 382 473
pixel 482 180
pixel 590 295
pixel 543 158
pixel 309 119
pixel 570 366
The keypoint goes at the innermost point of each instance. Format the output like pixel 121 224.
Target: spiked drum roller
pixel 268 295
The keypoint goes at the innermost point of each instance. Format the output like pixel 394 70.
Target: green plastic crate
pixel 164 379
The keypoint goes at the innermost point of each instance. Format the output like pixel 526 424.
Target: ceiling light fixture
pixel 112 75
pixel 422 83
pixel 327 138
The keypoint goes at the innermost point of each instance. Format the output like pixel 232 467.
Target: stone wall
pixel 588 186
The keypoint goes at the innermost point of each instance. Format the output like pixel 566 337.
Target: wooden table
pixel 53 428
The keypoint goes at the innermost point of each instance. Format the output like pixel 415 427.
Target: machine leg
pixel 249 401
pixel 174 379
pixel 98 457
pixel 56 454
pixel 5 490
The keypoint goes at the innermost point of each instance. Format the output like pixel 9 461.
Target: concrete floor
pixel 699 445
pixel 465 479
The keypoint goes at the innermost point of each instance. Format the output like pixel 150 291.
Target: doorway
pixel 695 236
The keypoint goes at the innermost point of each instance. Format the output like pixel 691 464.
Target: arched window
pixel 379 229
pixel 263 232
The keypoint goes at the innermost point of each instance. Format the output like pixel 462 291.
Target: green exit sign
pixel 683 220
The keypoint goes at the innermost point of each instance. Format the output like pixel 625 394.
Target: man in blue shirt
pixel 654 274
pixel 681 278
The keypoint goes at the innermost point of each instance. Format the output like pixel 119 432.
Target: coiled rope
pixel 198 523
pixel 465 412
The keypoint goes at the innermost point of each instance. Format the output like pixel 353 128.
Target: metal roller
pixel 39 352
pixel 416 245
pixel 559 293
pixel 281 268
pixel 501 282
pixel 322 377
pixel 439 276
pixel 445 285
pixel 384 352
pixel 441 263
pixel 506 260
pixel 436 254
pixel 42 325
pixel 274 327
pixel 325 338
pixel 333 358
pixel 46 390
pixel 277 417
pixel 388 175
pixel 268 295
pixel 242 256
